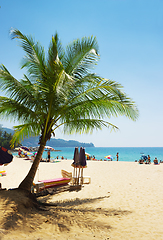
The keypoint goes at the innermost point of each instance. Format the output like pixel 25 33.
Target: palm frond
pixel 21 91
pixel 10 108
pixel 55 51
pixel 29 129
pixel 34 61
pixel 86 126
pixel 81 56
pixel 98 98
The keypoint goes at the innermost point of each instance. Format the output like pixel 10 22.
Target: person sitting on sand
pixel 19 152
pixel 155 161
pixel 141 161
pixel 26 156
pixel 33 157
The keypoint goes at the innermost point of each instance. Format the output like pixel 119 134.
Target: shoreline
pixel 128 154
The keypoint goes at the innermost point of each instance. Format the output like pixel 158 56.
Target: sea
pixel 126 154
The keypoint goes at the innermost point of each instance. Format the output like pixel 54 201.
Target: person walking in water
pixel 117 156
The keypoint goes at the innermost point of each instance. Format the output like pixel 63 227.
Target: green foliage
pixel 5 139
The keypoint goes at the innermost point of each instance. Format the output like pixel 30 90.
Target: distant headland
pixel 33 141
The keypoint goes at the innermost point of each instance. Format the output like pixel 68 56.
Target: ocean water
pixel 127 154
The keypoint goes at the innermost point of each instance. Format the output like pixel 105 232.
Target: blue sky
pixel 130 38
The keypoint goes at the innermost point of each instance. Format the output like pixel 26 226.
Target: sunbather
pixel 155 161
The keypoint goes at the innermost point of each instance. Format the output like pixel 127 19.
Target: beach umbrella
pixel 25 148
pixel 82 163
pixel 143 157
pixel 82 157
pixel 49 148
pixel 5 156
pixel 109 157
pixel 87 155
pixel 17 149
pixel 76 156
pixel 75 163
pixel 29 153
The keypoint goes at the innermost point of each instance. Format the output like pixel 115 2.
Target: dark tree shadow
pixel 63 215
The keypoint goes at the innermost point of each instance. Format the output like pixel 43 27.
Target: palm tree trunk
pixel 28 180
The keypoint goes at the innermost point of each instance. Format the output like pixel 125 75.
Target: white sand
pixel 123 201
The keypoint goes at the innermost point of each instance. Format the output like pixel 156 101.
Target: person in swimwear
pixel 117 156
pixel 148 161
pixel 155 161
pixel 48 155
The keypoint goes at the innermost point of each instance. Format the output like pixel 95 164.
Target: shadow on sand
pixel 82 213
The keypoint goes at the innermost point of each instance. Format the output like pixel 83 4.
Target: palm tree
pixel 59 89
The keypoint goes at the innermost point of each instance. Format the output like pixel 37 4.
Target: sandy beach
pixel 123 201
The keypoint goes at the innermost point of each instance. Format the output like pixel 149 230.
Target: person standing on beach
pixel 48 155
pixel 149 159
pixel 117 156
pixel 19 152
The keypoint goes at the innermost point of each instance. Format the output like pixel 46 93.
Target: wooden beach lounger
pixel 43 184
pixel 55 182
pixel 74 179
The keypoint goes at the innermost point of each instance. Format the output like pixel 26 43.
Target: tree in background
pixel 5 139
pixel 60 89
